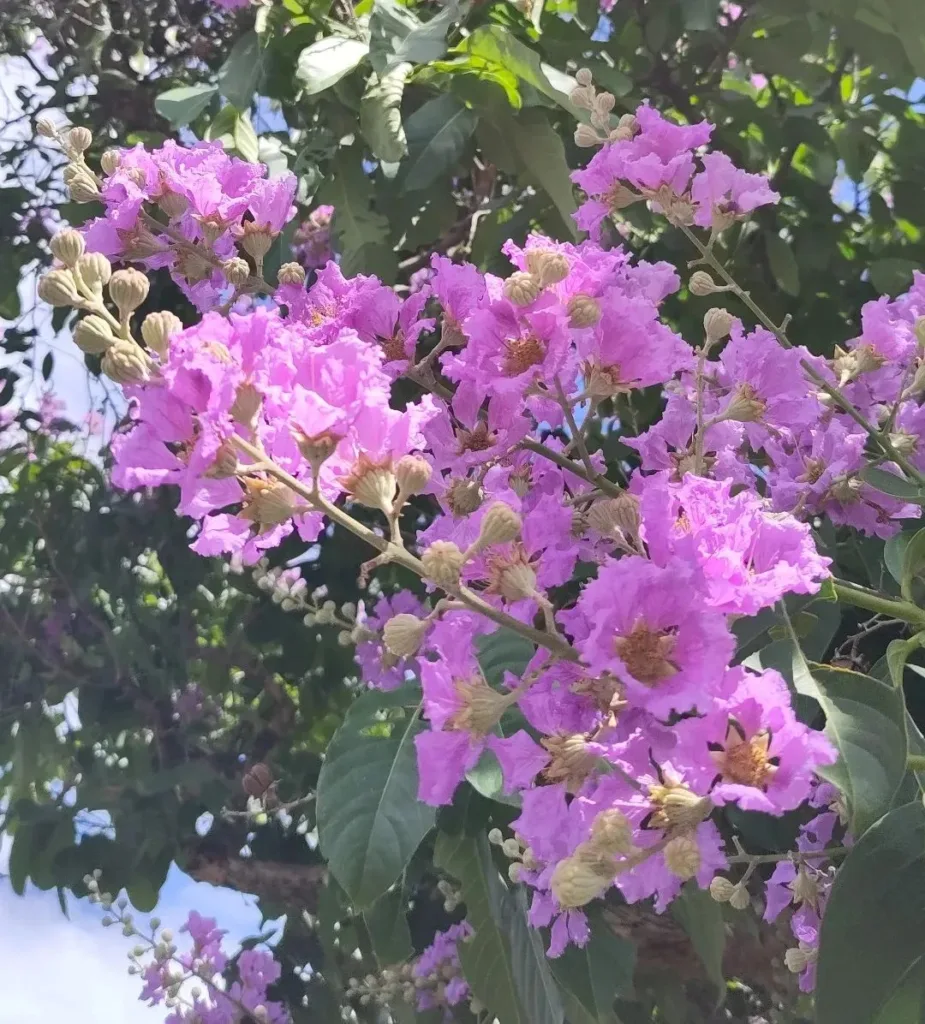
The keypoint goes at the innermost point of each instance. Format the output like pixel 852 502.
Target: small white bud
pixel 128 289
pixel 721 889
pixel 682 856
pixel 583 311
pixel 522 288
pixel 94 270
pixel 45 127
pixel 58 288
pixel 110 161
pixel 80 139
pixel 126 363
pixel 68 246
pixel 236 270
pixel 442 563
pixel 412 473
pixel 158 328
pixel 717 323
pixel 93 335
pixel 291 273
pixel 702 284
pixel 500 525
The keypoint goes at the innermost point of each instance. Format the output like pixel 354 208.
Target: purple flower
pixel 722 190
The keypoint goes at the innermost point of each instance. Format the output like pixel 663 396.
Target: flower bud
pixel 372 483
pixel 94 270
pixel 604 102
pixel 236 270
pixel 291 273
pixel 158 328
pixel 442 563
pixel 68 246
pixel 522 289
pixel 740 900
pixel 403 634
pixel 702 284
pixel 128 289
pixel 58 288
pixel 611 832
pixel 721 889
pixel 79 139
pixel 583 311
pixel 500 525
pixel 628 126
pixel 546 266
pixel 255 239
pixel 93 335
pixel 45 127
pixel 126 363
pixel 799 958
pixel 81 184
pixel 110 161
pixel 412 473
pixel 574 883
pixel 246 405
pixel 682 856
pixel 584 77
pixel 267 503
pixel 586 137
pixel 717 323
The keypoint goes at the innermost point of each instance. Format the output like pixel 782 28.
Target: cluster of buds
pixel 81 182
pixel 600 104
pixel 384 485
pixel 452 897
pixel 544 268
pixel 286 587
pixel 519 854
pixel 734 893
pixel 443 560
pixel 589 871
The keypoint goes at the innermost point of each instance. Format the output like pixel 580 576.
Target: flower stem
pixel 775 858
pixel 870 600
pixel 601 482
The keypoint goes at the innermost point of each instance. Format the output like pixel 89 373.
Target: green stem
pixel 870 600
pixel 775 858
pixel 707 257
pixel 601 482
pixel 916 762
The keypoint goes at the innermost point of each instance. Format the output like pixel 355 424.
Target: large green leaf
pixel 891 483
pixel 539 994
pixel 327 61
pixel 892 275
pixel 370 820
pixel 783 263
pixel 437 132
pixel 183 105
pixel 380 114
pixel 239 77
pixel 388 928
pixel 486 958
pixel 593 977
pixel 502 651
pixel 398 36
pixel 866 721
pixel 360 231
pixel 872 933
pixel 702 918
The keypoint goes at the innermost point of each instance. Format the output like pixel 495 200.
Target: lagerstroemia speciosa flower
pixel 629 729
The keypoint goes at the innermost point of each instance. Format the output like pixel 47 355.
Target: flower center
pixel 479 439
pixel 394 348
pixel 646 653
pixel 571 762
pixel 742 759
pixel 480 708
pixel 674 805
pixel 520 354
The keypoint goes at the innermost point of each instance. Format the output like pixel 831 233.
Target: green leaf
pixel 239 77
pixel 913 560
pixel 699 15
pixel 892 276
pixel 485 959
pixel 866 721
pixel 388 928
pixel 597 974
pixel 496 44
pixel 487 778
pixel 380 115
pixel 183 105
pixel 872 932
pixel 20 856
pixel 397 35
pixel 438 132
pixel 702 918
pixel 533 979
pixel 360 232
pixel 783 264
pixel 327 61
pixel 890 483
pixel 502 651
pixel 245 139
pixel 370 820
pixel 540 155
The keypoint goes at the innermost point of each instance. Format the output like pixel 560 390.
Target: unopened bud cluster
pixel 600 104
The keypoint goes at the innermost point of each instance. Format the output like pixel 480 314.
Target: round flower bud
pixel 291 273
pixel 628 123
pixel 402 635
pixel 721 889
pixel 611 832
pixel 583 311
pixel 128 289
pixel 500 525
pixel 682 856
pixel 236 271
pixel 717 323
pixel 584 77
pixel 126 363
pixel 47 128
pixel 81 184
pixel 495 837
pixel 574 883
pixel 920 331
pixel 586 136
pixel 58 288
pixel 110 161
pixel 546 266
pixel 605 102
pixel 80 139
pixel 158 328
pixel 740 900
pixel 255 239
pixel 93 335
pixel 522 289
pixel 799 958
pixel 442 563
pixel 94 269
pixel 702 284
pixel 68 246
pixel 412 474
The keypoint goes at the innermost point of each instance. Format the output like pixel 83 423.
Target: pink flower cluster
pixel 441 983
pixel 630 725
